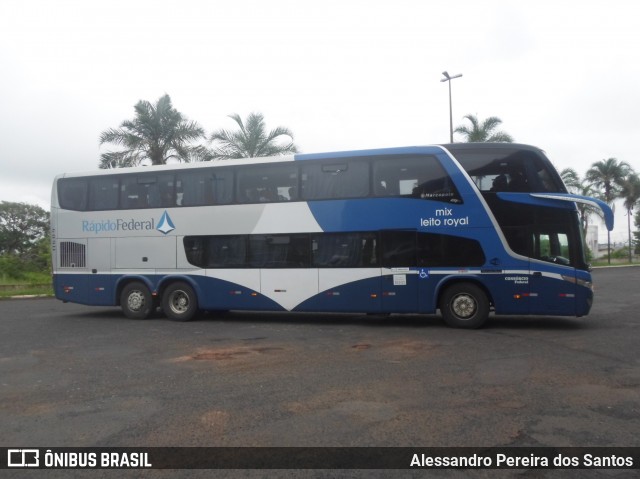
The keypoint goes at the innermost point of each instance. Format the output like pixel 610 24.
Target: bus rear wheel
pixel 136 301
pixel 464 305
pixel 179 302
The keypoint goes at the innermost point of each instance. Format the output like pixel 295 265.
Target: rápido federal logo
pixel 164 225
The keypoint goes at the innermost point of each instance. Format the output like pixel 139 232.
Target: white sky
pixel 345 74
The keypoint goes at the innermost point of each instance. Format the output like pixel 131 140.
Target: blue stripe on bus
pixel 399 213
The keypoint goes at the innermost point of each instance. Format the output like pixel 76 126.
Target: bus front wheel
pixel 136 301
pixel 179 302
pixel 464 305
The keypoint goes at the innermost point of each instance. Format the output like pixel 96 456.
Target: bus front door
pixel 551 294
pixel 552 289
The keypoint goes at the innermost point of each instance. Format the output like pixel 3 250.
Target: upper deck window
pixel 147 191
pixel 508 169
pixel 335 180
pixel 209 186
pixel 268 183
pixel 103 193
pixel 72 193
pixel 414 177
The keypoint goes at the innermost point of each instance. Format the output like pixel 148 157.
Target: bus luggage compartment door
pixel 289 287
pixel 100 282
pixel 399 290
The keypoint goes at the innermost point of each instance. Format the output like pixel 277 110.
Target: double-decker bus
pixel 462 228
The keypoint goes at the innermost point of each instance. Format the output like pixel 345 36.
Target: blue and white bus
pixel 462 228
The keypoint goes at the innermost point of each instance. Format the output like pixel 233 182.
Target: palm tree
pixel 251 140
pixel 636 221
pixel 483 132
pixel 578 186
pixel 607 175
pixel 630 193
pixel 158 133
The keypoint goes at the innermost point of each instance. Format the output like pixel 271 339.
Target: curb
pixel 28 296
pixel 616 266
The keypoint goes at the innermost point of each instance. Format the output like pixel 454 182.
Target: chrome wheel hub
pixel 135 301
pixel 464 306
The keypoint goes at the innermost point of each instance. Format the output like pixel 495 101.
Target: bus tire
pixel 179 302
pixel 136 301
pixel 464 305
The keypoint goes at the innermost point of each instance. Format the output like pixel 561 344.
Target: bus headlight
pixel 585 283
pixel 580 282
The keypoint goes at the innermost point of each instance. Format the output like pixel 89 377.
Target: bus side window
pixel 324 181
pixel 344 250
pixel 223 186
pixel 414 176
pixel 196 188
pixel 279 251
pixel 103 193
pixel 398 249
pixel 227 251
pixel 165 192
pixel 267 183
pixel 146 191
pixel 73 194
pixel 553 247
pixel 437 250
pixel 194 250
pixel 132 194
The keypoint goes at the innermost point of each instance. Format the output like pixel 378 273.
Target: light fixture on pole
pixel 448 78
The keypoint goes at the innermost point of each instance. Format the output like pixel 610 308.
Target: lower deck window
pixel 389 249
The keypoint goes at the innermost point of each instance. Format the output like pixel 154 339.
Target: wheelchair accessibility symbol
pixel 423 274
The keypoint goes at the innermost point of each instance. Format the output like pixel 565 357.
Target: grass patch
pixel 27 290
pixel 30 284
pixel 615 262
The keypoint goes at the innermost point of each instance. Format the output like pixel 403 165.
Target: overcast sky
pixel 340 74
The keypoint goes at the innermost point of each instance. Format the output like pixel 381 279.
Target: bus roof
pixel 404 150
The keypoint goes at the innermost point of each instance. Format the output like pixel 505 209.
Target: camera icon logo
pixel 23 458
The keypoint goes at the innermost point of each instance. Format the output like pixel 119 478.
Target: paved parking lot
pixel 72 375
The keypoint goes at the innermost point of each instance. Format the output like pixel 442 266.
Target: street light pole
pixel 448 78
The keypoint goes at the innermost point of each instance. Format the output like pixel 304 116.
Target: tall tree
pixel 578 186
pixel 158 133
pixel 630 194
pixel 483 132
pixel 607 175
pixel 251 139
pixel 21 226
pixel 636 233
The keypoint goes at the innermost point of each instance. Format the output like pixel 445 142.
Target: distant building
pixel 592 240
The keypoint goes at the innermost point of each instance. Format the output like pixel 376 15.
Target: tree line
pixel 608 180
pixel 24 240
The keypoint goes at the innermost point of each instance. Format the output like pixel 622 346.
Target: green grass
pixel 615 262
pixel 30 284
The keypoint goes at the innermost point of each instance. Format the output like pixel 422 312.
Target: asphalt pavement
pixel 73 375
